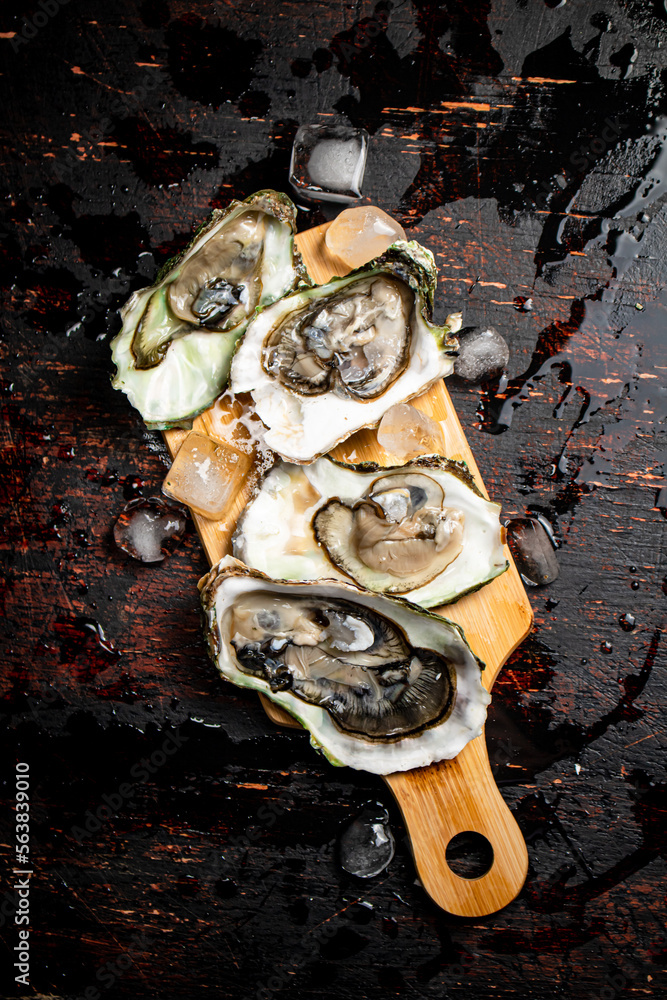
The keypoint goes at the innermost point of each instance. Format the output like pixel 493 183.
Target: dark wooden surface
pixel 505 136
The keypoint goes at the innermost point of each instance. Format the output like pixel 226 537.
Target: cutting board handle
pixel 443 800
pixel 460 796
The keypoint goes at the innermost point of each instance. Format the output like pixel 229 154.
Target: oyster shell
pixel 177 340
pixel 422 530
pixel 326 361
pixel 381 685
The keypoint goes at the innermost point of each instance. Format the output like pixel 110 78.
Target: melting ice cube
pixel 406 432
pixel 149 529
pixel 206 474
pixel 328 162
pixel 533 551
pixel 483 354
pixel 367 845
pixel 359 234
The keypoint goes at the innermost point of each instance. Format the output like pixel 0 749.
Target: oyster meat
pixel 380 684
pixel 422 530
pixel 175 347
pixel 326 361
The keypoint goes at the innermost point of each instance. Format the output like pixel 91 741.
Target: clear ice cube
pixel 149 529
pixel 360 234
pixel 206 474
pixel 533 551
pixel 328 162
pixel 367 845
pixel 483 354
pixel 405 432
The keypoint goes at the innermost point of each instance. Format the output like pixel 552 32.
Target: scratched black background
pixel 505 136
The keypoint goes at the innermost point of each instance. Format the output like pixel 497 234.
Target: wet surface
pixel 532 547
pixel 524 144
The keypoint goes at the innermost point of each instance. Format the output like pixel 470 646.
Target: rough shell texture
pixel 231 578
pixel 300 427
pixel 195 367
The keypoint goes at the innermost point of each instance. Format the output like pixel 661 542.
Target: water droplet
pixel 533 550
pixel 132 486
pixel 606 646
pixel 84 646
pixel 635 585
pixel 627 622
pixel 584 660
pixel 632 569
pixel 81 539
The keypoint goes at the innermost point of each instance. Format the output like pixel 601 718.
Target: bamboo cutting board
pixel 454 796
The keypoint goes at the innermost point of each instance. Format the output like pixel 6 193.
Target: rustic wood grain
pixel 452 797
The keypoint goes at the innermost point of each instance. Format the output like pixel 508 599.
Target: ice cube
pixel 405 432
pixel 367 845
pixel 149 529
pixel 483 354
pixel 533 551
pixel 359 234
pixel 206 474
pixel 328 162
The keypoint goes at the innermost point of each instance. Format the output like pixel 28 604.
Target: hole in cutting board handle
pixel 469 855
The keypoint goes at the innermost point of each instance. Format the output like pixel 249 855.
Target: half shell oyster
pixel 381 685
pixel 422 530
pixel 177 340
pixel 326 361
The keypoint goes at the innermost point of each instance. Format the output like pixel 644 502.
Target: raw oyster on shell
pixel 325 361
pixel 381 685
pixel 175 347
pixel 422 530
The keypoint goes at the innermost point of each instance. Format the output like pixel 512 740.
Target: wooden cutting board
pixel 454 796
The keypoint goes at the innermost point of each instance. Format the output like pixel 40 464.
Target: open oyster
pixel 326 361
pixel 175 347
pixel 422 530
pixel 382 686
